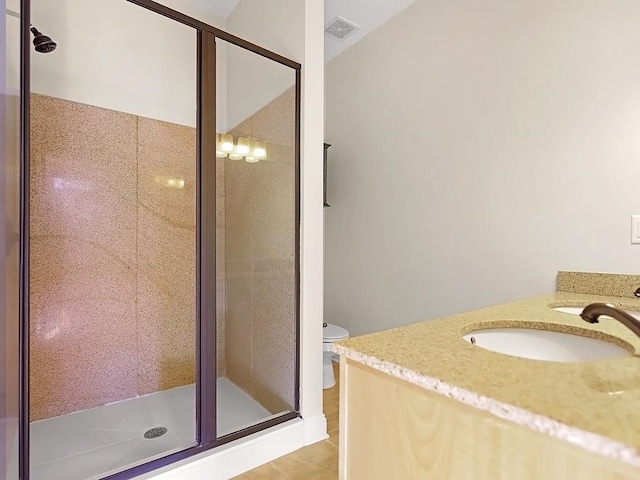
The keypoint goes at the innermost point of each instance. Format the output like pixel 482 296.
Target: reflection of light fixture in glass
pixel 252 150
pixel 170 182
pixel 244 146
pixel 259 149
pixel 175 183
pixel 235 155
pixel 219 152
pixel 226 143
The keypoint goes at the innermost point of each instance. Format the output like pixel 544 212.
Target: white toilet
pixel 331 333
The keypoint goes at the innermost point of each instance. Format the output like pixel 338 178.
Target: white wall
pixel 312 221
pixel 119 56
pixel 478 148
pixel 253 82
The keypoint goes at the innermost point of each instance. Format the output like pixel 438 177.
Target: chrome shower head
pixel 42 43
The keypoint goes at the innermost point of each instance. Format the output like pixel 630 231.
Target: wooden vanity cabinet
pixel 393 430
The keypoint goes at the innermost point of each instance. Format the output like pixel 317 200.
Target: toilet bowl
pixel 330 334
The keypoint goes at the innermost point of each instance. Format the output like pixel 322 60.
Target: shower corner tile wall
pixel 221 292
pixel 113 256
pixel 260 260
pixel 166 283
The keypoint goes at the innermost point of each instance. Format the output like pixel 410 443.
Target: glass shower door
pixel 112 239
pixel 256 238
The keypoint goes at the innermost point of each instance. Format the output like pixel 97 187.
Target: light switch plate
pixel 635 228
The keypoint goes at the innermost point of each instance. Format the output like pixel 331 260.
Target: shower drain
pixel 155 432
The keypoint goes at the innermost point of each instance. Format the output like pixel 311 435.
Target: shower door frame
pixel 206 300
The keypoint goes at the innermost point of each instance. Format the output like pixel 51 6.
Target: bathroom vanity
pixel 423 402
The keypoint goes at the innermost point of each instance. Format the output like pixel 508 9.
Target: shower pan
pixel 160 284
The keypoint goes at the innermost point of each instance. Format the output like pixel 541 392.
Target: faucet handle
pixel 637 292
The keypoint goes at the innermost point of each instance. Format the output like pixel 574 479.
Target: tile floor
pixel 315 462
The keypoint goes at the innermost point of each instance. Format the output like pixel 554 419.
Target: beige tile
pixel 242 130
pixel 280 154
pixel 334 437
pixel 265 472
pixel 83 174
pixel 167 171
pixel 83 337
pixel 237 243
pixel 274 340
pixel 238 330
pixel 166 255
pixel 238 211
pixel 221 260
pixel 330 406
pixel 83 256
pixel 166 328
pixel 332 415
pixel 221 294
pixel 276 122
pixel 220 211
pixel 315 462
pixel 221 267
pixel 274 266
pixel 221 165
pixel 236 268
pixel 273 212
pixel 260 230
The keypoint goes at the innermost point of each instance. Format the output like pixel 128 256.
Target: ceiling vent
pixel 339 28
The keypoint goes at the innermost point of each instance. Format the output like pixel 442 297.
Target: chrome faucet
pixel 592 312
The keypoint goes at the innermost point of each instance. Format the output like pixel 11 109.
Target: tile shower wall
pixel 166 255
pixel 260 316
pixel 112 256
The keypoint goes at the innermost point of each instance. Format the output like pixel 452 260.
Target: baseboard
pixel 240 456
pixel 315 429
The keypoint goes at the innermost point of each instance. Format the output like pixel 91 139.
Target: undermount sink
pixel 546 345
pixel 578 311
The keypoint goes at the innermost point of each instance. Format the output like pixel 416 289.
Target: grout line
pixel 137 257
pixel 282 474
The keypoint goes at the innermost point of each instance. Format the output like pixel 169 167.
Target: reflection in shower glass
pixel 256 226
pixel 113 246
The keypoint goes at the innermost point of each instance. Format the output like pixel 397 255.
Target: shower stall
pixel 160 239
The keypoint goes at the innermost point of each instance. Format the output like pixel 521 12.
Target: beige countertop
pixel 593 404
